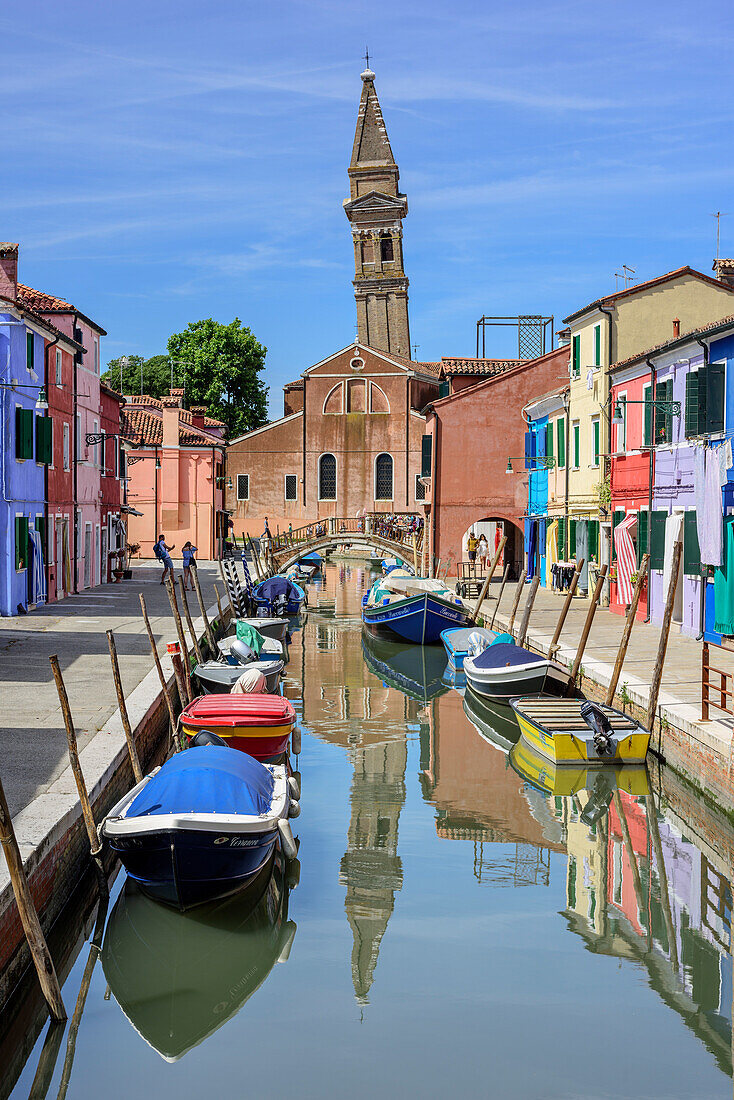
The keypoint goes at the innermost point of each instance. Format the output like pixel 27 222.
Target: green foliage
pixel 156 375
pixel 222 365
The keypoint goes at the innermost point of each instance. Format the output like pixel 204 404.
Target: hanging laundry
pixel 582 551
pixel 673 534
pixel 724 455
pixel 712 512
pixel 699 494
pixel 589 379
pixel 724 584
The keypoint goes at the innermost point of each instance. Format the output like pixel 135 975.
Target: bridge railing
pixel 397 529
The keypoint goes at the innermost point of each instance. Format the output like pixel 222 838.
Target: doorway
pixel 87 554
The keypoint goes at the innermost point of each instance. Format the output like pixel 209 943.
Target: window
pixel 30 350
pixel 383 477
pixel 386 249
pixel 595 431
pixel 78 438
pixel 549 439
pixel 23 432
pixel 620 402
pixel 356 395
pixel 291 487
pixel 44 440
pixel 58 367
pixel 96 354
pixel 243 486
pixel 647 423
pixel 691 551
pixel 67 457
pixel 51 539
pixel 95 449
pixel 705 400
pixel 378 400
pixel 663 419
pixel 333 405
pixel 597 345
pixel 426 455
pixel 420 489
pixel 327 477
pixel 561 441
pixel 41 528
pixel 576 356
pixel 576 445
pixel 21 542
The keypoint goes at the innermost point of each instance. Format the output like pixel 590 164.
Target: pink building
pixel 86 549
pixel 175 474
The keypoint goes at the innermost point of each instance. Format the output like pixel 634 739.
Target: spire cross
pixel 367 56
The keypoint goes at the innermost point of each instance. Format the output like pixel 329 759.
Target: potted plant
pixel 130 549
pixel 117 570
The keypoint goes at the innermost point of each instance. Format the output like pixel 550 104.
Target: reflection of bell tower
pixel 371 867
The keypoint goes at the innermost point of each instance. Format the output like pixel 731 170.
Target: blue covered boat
pixel 203 825
pixel 310 564
pixel 415 609
pixel 278 596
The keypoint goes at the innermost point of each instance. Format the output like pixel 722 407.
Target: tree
pixel 221 366
pixel 156 375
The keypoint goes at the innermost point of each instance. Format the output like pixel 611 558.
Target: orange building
pixel 175 474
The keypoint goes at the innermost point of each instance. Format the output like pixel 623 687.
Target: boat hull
pixel 183 868
pixel 262 742
pixel 504 684
pixel 569 749
pixel 269 627
pixel 418 619
pixel 569 779
pixel 221 679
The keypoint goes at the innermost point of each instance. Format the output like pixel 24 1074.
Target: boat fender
pixel 294 808
pixel 296 741
pixel 294 786
pixel 600 727
pixel 206 737
pixel 287 843
pixel 289 933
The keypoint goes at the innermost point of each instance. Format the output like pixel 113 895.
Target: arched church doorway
pixel 493 528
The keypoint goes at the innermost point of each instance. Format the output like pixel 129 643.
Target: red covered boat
pixel 259 725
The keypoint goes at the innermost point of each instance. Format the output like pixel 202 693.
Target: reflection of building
pixel 371 868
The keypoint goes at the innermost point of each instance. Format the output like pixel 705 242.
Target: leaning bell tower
pixel 376 209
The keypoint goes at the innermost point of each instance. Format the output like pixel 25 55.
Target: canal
pixel 455 931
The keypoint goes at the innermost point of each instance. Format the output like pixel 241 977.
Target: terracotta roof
pixel 489 380
pixel 135 401
pixel 413 364
pixel 112 393
pixel 43 321
pixel 143 420
pixel 669 276
pixel 669 345
pixel 49 303
pixel 724 265
pixel 485 367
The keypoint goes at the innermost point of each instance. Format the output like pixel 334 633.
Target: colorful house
pixel 175 474
pixel 60 373
pixel 112 524
pixel 27 441
pixel 546 525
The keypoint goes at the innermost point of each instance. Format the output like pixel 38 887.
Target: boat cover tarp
pixel 274 587
pixel 251 636
pixel 313 558
pixel 500 656
pixel 209 779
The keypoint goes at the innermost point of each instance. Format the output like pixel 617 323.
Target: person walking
pixel 163 552
pixel 189 563
pixel 483 550
pixel 471 546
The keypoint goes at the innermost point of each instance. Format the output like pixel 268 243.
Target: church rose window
pixel 383 478
pixel 327 477
pixel 243 486
pixel 291 487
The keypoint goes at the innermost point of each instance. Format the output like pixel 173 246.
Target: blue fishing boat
pixel 278 596
pixel 415 609
pixel 310 564
pixel 203 825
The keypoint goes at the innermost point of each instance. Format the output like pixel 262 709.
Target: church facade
pixel 351 432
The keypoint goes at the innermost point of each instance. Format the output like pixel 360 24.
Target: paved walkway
pixel 680 693
pixel 33 749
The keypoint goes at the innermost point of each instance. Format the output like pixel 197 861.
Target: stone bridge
pixel 394 537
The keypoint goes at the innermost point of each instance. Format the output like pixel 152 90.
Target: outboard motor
pixel 206 737
pixel 599 800
pixel 242 652
pixel 601 728
pixel 279 605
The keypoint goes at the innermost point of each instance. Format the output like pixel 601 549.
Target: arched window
pixel 356 395
pixel 383 477
pixel 386 253
pixel 333 404
pixel 378 399
pixel 327 477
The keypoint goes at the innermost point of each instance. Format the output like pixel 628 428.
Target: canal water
pixel 456 931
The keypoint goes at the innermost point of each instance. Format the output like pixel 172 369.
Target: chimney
pixel 9 271
pixel 724 271
pixel 198 412
pixel 676 328
pixel 171 406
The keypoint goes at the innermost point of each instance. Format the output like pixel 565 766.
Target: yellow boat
pixel 576 731
pixel 568 779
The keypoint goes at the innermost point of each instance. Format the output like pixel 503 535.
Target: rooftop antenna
pixel 415 349
pixel 629 273
pixel 617 276
pixel 718 215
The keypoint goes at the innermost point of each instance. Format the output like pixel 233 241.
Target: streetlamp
pixel 670 408
pixel 547 462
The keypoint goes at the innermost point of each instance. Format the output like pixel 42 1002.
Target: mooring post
pixel 528 608
pixel 587 625
pixel 629 623
pixel 174 652
pixel 657 674
pixel 505 575
pixel 202 608
pixel 131 747
pixel 28 916
pixel 219 607
pixel 487 579
pixel 189 622
pixel 171 589
pixel 158 665
pixel 564 609
pixel 516 601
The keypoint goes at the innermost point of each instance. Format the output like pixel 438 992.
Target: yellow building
pixel 602 333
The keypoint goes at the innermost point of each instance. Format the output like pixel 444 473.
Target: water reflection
pixel 178 977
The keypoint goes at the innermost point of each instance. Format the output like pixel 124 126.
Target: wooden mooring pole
pixel 516 601
pixel 564 609
pixel 28 916
pixel 487 579
pixel 657 674
pixel 528 608
pixel 190 622
pixel 505 575
pixel 131 748
pixel 171 589
pixel 202 608
pixel 587 626
pixel 219 606
pixel 158 665
pixel 629 623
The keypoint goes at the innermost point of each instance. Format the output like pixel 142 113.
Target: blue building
pixel 26 452
pixel 541 519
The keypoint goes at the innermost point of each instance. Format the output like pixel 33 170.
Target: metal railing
pixel 397 530
pixel 708 688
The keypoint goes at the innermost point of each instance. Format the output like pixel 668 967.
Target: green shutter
pixel 691 404
pixel 21 542
pixel 549 439
pixel 41 528
pixel 561 434
pixel 663 419
pixel 642 534
pixel 596 442
pixel 571 538
pixel 593 540
pixel 29 350
pixel 576 445
pixel 444 388
pixel 576 356
pixel 647 431
pixel 426 453
pixel 24 433
pixel 691 552
pixel 702 394
pixel 597 345
pixel 715 397
pixel 43 440
pixel 561 540
pixel 657 539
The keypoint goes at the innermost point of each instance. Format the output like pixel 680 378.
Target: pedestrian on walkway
pixel 483 550
pixel 189 563
pixel 163 552
pixel 471 546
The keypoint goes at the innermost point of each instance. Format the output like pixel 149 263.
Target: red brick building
pixel 474 432
pixel 60 368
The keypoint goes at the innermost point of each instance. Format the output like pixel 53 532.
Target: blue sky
pixel 164 162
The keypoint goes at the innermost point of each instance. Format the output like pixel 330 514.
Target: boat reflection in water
pixel 179 977
pixel 415 670
pixel 494 722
